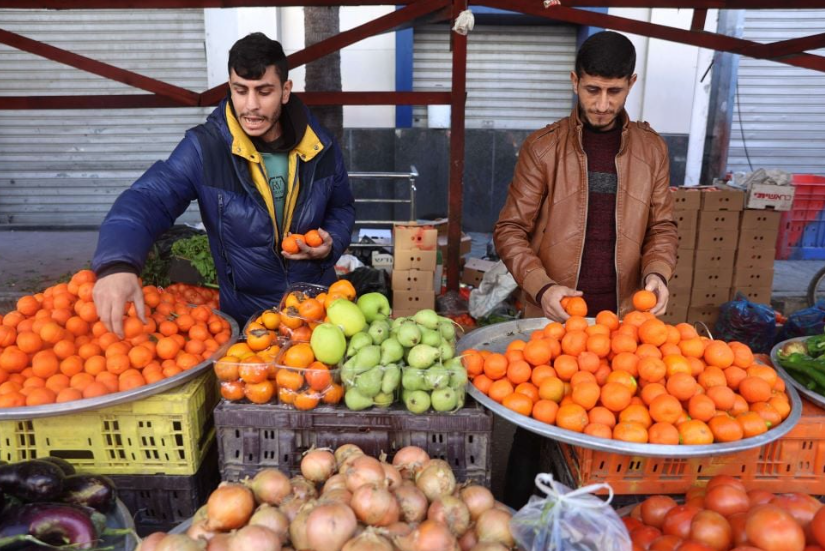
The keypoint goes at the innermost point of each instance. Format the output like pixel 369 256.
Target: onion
pixel 490 546
pixel 413 503
pixel 502 507
pixel 329 527
pixel 364 470
pixel 435 479
pixel 303 488
pixel 398 529
pixel 298 526
pixel 180 542
pixel 273 519
pixel 368 541
pixel 199 530
pixel 451 511
pixel 318 465
pixel 255 538
pixel 200 514
pixel 375 505
pixel 229 507
pixel 429 536
pixel 494 526
pixel 341 495
pixel 393 477
pixel 343 467
pixel 468 540
pixel 345 451
pixel 291 506
pixel 269 486
pixel 219 543
pixel 478 499
pixel 150 542
pixel 409 460
pixel 335 482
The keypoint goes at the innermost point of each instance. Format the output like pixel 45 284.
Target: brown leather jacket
pixel 541 228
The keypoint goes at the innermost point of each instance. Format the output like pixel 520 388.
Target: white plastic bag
pixel 569 520
pixel 496 285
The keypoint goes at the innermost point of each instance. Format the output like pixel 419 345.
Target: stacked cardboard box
pixel 753 270
pixel 687 203
pixel 414 264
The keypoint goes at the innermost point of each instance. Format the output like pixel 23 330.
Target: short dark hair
pixel 606 54
pixel 252 54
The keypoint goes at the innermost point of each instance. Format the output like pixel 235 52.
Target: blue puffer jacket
pixel 209 166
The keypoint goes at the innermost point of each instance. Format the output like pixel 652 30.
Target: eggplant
pixel 90 490
pixel 32 480
pixel 65 466
pixel 51 523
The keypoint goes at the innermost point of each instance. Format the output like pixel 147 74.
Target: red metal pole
pixel 456 191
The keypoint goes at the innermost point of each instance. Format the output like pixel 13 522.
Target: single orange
pixel 572 417
pixel 630 432
pixel 519 403
pixel 644 301
pixel 545 411
pixel 695 433
pixel 663 433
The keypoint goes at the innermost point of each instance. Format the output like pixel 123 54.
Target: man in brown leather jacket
pixel 589 212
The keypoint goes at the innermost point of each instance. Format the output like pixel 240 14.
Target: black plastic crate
pixel 252 437
pixel 158 503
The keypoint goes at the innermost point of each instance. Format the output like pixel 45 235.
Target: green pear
pixel 349 373
pixel 430 337
pixel 368 383
pixel 412 379
pixel 423 356
pixel 405 394
pixel 357 342
pixel 458 377
pixel 446 350
pixel 445 399
pixel 391 351
pixel 392 378
pixel 348 316
pixel 328 343
pixel 396 323
pixel 454 363
pixel 409 335
pixel 428 318
pixel 379 331
pixel 447 328
pixel 437 377
pixel 383 400
pixel 375 306
pixel 356 401
pixel 368 357
pixel 460 393
pixel 418 401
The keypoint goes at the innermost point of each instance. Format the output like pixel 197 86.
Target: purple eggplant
pixel 65 466
pixel 51 523
pixel 32 480
pixel 90 490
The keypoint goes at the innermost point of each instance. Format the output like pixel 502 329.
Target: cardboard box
pixel 723 198
pixel 760 220
pixel 464 247
pixel 709 296
pixel 412 280
pixel 440 224
pixel 764 239
pixel 415 260
pixel 382 261
pixel 718 220
pixel 712 258
pixel 409 302
pixel 474 271
pixel 684 259
pixel 716 239
pixel 708 278
pixel 678 297
pixel 686 198
pixel 752 277
pixel 755 258
pixel 412 237
pixel 675 313
pixel 770 196
pixel 685 219
pixel 686 238
pixel 703 314
pixel 760 295
pixel 681 279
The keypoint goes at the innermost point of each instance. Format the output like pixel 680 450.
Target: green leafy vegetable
pixel 196 250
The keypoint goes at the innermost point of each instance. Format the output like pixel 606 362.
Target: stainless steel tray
pixel 116 398
pixel 120 518
pixel 809 394
pixel 497 337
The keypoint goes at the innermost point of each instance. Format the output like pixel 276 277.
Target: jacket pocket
pixel 224 255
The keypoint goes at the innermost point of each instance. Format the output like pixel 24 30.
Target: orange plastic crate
pixel 794 463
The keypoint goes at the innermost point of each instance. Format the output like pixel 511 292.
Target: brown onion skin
pixel 273 519
pixel 429 535
pixel 451 511
pixel 487 521
pixel 393 477
pixel 180 542
pixel 468 540
pixel 413 503
pixel 327 534
pixel 291 506
pixel 335 482
pixel 398 529
pixel 150 542
pixel 368 541
pixel 199 530
pixel 229 507
pixel 269 486
pixel 436 479
pixel 219 543
pixel 342 452
pixel 364 470
pixel 341 495
pixel 409 460
pixel 303 488
pixel 478 499
pixel 255 538
pixel 375 505
pixel 318 465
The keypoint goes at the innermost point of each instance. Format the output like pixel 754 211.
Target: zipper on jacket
pixel 227 265
pixel 586 205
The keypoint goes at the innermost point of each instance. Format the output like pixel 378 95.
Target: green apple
pixel 375 306
pixel 347 315
pixel 328 343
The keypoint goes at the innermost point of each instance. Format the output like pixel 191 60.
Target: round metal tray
pixel 120 518
pixel 116 398
pixel 497 337
pixel 809 394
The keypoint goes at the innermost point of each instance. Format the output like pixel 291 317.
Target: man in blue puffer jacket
pixel 261 167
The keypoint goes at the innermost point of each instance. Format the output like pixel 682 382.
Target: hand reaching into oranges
pixel 556 300
pixel 313 245
pixel 654 285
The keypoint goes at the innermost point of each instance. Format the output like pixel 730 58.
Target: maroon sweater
pixel 597 275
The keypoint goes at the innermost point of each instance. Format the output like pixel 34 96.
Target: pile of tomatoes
pixel 54 348
pixel 724 516
pixel 637 379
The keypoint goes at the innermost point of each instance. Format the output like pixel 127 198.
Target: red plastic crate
pixel 802 229
pixel 795 463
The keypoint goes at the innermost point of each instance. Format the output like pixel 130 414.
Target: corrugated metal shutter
pixel 66 167
pixel 518 77
pixel 780 109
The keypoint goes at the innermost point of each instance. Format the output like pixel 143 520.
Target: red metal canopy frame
pixel 413 12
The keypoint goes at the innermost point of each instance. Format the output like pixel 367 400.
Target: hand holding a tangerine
pixel 314 245
pixel 551 302
pixel 657 286
pixel 110 295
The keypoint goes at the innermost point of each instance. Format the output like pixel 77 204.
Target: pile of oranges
pixel 311 238
pixel 54 348
pixel 637 379
pixel 276 359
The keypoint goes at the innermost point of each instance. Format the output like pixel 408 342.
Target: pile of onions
pixel 435 479
pixel 329 527
pixel 318 465
pixel 364 470
pixel 409 461
pixel 375 505
pixel 269 486
pixel 229 507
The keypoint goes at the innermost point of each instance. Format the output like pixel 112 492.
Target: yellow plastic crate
pixel 167 433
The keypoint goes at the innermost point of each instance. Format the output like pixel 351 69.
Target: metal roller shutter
pixel 66 167
pixel 780 109
pixel 518 77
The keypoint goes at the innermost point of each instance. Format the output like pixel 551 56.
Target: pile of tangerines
pixel 54 348
pixel 637 379
pixel 276 360
pixel 311 238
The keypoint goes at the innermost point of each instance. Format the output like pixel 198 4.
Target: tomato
pixel 677 521
pixel 818 527
pixel 759 497
pixel 694 546
pixel 695 491
pixel 724 480
pixel 666 543
pixel 727 500
pixel 644 536
pixel 737 526
pixel 711 529
pixel 801 507
pixel 772 529
pixel 813 548
pixel 655 508
pixel 745 548
pixel 631 523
